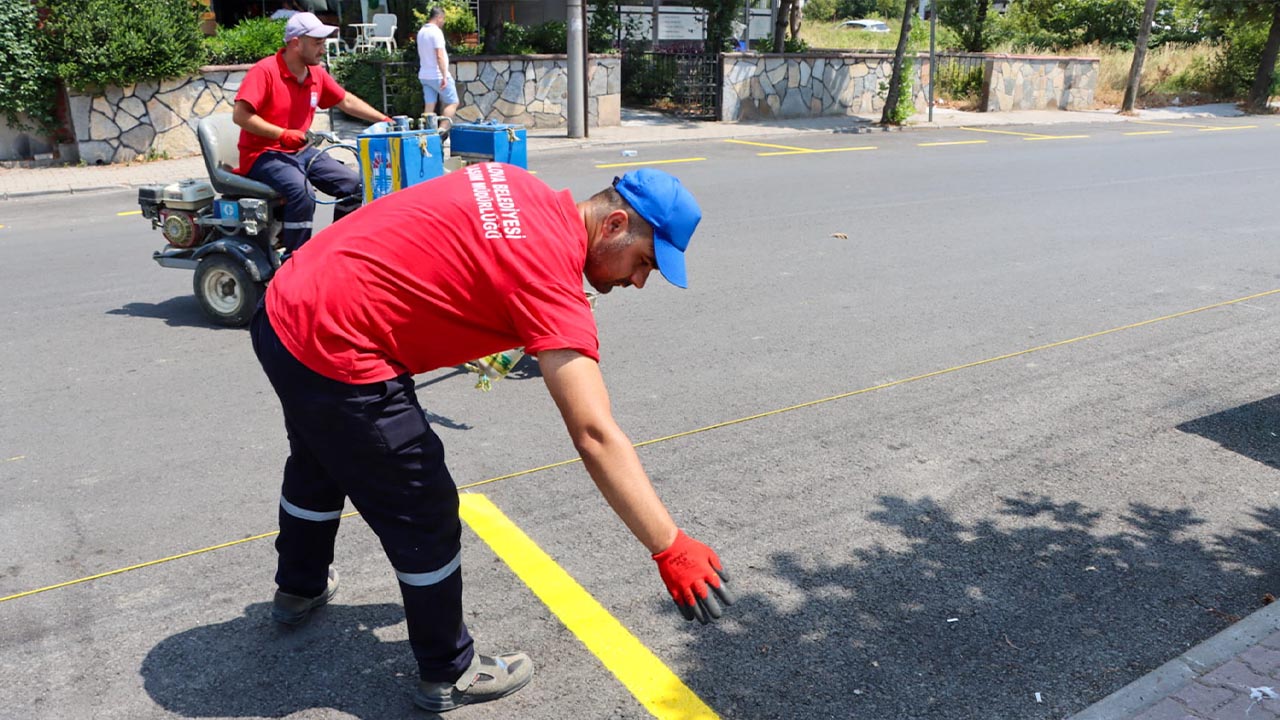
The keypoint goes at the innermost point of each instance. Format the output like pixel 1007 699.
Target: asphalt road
pixel 1028 474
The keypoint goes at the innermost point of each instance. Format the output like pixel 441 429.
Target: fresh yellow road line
pixel 952 142
pixel 1055 137
pixel 815 152
pixel 1004 132
pixel 128 212
pixel 1228 127
pixel 651 682
pixel 1183 125
pixel 15 457
pixel 717 426
pixel 768 145
pixel 1151 132
pixel 650 162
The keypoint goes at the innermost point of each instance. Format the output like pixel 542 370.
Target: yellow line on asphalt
pixel 1197 126
pixel 1054 137
pixel 650 162
pixel 15 457
pixel 1004 132
pixel 128 212
pixel 1228 127
pixel 815 152
pixel 716 426
pixel 1151 132
pixel 952 142
pixel 768 145
pixel 661 692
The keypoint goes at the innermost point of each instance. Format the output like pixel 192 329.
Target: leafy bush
pixel 604 26
pixel 1232 70
pixel 515 40
pixel 247 42
pixel 550 37
pixel 789 45
pixel 364 74
pixel 27 80
pixel 111 42
pixel 959 83
pixel 820 10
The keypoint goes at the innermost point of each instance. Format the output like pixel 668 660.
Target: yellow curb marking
pixel 815 152
pixel 716 426
pixel 650 162
pixel 1054 137
pixel 952 142
pixel 1151 132
pixel 1004 132
pixel 768 145
pixel 128 212
pixel 651 682
pixel 1198 126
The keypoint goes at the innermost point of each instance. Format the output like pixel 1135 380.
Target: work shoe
pixel 293 609
pixel 488 678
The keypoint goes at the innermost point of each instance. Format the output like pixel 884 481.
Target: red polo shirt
pixel 278 97
pixel 475 262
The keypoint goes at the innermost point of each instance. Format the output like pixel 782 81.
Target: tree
pixel 780 25
pixel 971 21
pixel 1263 82
pixel 1139 56
pixel 1255 12
pixel 888 117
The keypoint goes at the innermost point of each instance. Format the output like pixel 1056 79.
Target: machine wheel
pixel 227 294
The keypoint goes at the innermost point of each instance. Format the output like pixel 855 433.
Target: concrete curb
pixel 1173 675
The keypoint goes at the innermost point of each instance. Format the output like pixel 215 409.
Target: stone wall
pixel 532 90
pixel 1020 82
pixel 810 85
pixel 150 118
pixel 159 118
pixel 826 83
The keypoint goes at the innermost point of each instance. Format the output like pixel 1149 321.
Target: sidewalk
pixel 1234 675
pixel 637 128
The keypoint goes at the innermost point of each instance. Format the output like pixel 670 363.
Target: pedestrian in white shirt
pixel 437 82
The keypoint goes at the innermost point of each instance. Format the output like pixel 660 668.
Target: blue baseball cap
pixel 665 204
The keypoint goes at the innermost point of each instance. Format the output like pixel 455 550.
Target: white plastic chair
pixel 384 31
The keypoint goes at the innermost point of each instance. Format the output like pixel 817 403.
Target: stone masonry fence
pixel 819 84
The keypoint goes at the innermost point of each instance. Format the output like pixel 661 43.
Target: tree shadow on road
pixel 971 620
pixel 253 667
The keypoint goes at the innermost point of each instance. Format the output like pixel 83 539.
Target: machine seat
pixel 218 135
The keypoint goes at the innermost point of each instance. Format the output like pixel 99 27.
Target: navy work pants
pixel 287 173
pixel 372 444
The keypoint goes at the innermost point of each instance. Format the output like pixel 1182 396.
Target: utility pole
pixel 576 70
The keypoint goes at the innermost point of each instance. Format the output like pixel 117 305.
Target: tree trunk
pixel 895 78
pixel 1139 57
pixel 780 26
pixel 977 42
pixel 796 16
pixel 1260 93
pixel 493 28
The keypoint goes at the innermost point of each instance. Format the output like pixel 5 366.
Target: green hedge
pixel 27 80
pixel 247 42
pixel 118 42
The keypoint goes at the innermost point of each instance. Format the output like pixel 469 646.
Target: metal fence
pixel 684 83
pixel 959 76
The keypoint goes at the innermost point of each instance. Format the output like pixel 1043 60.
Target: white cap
pixel 305 23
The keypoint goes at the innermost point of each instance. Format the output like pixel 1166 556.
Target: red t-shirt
pixel 280 99
pixel 478 261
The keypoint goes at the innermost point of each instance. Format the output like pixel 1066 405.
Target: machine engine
pixel 176 209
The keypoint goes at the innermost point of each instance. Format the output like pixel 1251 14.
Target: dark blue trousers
pixel 372 444
pixel 286 172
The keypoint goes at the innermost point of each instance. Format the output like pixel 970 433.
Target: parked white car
pixel 875 26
